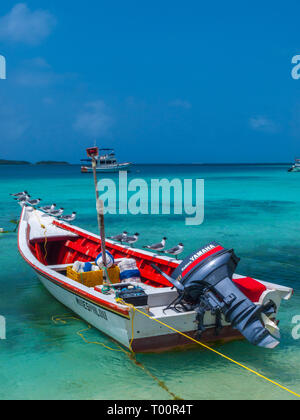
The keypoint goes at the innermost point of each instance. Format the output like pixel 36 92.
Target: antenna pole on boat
pixel 93 153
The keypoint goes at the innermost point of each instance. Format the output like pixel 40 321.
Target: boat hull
pixel 129 327
pixel 108 169
pixel 119 328
pixel 113 325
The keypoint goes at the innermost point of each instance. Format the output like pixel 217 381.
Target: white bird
pixel 48 209
pixel 57 213
pixel 131 239
pixel 69 218
pixel 25 197
pixel 22 203
pixel 176 250
pixel 157 247
pixel 19 194
pixel 119 238
pixel 34 202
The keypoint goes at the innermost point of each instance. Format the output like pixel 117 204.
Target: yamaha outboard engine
pixel 204 280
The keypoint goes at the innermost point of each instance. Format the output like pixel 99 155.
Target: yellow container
pixel 94 278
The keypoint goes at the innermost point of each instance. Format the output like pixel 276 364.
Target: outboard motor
pixel 204 280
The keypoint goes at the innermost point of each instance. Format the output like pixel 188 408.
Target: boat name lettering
pixel 91 308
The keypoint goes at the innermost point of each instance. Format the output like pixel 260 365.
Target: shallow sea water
pixel 254 209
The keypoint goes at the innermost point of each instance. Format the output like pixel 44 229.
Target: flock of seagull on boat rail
pixel 24 199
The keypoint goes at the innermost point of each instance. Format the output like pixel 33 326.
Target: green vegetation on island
pixel 13 162
pixel 51 162
pixel 23 162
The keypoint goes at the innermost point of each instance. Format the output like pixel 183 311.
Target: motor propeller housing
pixel 206 283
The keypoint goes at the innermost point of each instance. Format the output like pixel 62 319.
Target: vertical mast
pixel 93 153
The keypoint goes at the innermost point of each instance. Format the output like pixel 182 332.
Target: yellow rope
pixel 96 342
pixel 132 330
pixel 61 319
pixel 45 233
pixel 209 348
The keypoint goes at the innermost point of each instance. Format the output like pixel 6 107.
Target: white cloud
pixel 26 26
pixel 12 126
pixel 180 103
pixel 95 120
pixel 261 123
pixel 36 79
pixel 37 72
pixel 38 62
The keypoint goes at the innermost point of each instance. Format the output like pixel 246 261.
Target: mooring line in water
pixel 211 349
pixel 131 355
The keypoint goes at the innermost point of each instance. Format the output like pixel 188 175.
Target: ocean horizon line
pixel 25 163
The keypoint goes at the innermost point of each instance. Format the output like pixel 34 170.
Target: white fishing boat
pixel 200 296
pixel 105 162
pixel 296 166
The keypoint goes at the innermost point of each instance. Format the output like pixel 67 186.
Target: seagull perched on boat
pixel 34 202
pixel 69 218
pixel 24 197
pixel 19 194
pixel 157 247
pixel 119 238
pixel 131 239
pixel 176 250
pixel 48 209
pixel 23 200
pixel 57 213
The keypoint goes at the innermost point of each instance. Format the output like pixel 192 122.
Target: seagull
pixel 25 197
pixel 69 218
pixel 57 213
pixel 119 238
pixel 23 200
pixel 22 203
pixel 48 209
pixel 176 250
pixel 34 202
pixel 131 239
pixel 157 247
pixel 19 194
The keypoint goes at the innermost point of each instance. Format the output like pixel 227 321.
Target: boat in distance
pixel 106 162
pixel 249 309
pixel 296 166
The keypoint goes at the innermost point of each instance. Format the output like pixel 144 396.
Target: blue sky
pixel 161 81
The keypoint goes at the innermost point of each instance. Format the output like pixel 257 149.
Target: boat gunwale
pixel 47 273
pixel 146 255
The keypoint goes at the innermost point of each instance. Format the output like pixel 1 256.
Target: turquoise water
pixel 253 209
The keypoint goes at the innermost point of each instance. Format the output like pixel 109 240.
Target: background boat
pixel 296 166
pixel 106 162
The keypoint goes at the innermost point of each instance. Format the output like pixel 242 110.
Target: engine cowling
pixel 205 279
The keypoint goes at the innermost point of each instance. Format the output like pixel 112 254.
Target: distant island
pixel 13 162
pixel 23 162
pixel 51 162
